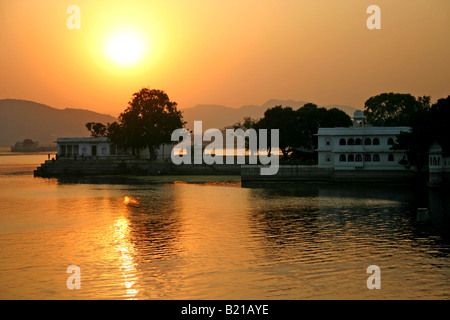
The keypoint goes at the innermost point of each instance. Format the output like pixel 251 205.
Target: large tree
pixel 428 126
pixel 149 120
pixel 394 109
pixel 97 129
pixel 298 128
pixel 283 119
pixel 310 118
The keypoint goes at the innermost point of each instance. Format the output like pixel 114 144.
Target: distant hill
pixel 217 116
pixel 21 119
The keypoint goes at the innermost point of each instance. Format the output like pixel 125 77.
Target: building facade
pixel 101 148
pixel 438 166
pixel 361 147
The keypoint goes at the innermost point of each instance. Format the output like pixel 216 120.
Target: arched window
pixel 434 161
pixel 439 161
pixel 376 157
pixel 390 141
pixel 391 157
pixel 367 141
pixel 351 142
pixel 367 157
pixel 342 158
pixel 342 142
pixel 376 141
pixel 358 141
pixel 351 158
pixel 358 158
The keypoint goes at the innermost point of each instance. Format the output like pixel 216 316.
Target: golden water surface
pixel 210 238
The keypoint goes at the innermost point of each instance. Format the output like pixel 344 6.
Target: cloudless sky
pixel 228 52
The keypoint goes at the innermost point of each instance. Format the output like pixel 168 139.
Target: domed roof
pixel 358 114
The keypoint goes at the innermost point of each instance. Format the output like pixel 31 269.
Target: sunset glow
pixel 125 48
pixel 230 53
pixel 215 158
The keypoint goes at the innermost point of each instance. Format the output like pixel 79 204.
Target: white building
pixel 438 165
pixel 101 148
pixel 361 147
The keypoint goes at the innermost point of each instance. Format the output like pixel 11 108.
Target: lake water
pixel 210 238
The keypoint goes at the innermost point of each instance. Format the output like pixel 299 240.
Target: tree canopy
pixel 429 125
pixel 97 129
pixel 297 128
pixel 310 118
pixel 394 109
pixel 147 122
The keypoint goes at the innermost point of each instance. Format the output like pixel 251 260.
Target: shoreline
pixel 165 171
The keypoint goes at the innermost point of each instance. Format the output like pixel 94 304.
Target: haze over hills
pixel 21 119
pixel 217 116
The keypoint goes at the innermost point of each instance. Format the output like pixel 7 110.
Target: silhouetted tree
pixel 311 118
pixel 335 117
pixel 283 119
pixel 247 123
pixel 97 129
pixel 117 136
pixel 394 109
pixel 148 122
pixel 432 125
pixel 440 122
pixel 298 128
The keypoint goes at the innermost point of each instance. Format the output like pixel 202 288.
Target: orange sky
pixel 232 52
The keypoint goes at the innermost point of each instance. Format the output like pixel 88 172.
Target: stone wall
pixel 314 173
pixel 91 167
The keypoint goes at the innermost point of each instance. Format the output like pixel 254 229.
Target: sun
pixel 125 47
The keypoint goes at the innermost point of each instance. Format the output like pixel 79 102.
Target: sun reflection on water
pixel 197 241
pixel 126 250
pixel 130 201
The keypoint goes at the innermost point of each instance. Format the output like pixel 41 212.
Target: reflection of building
pixel 360 147
pixel 101 148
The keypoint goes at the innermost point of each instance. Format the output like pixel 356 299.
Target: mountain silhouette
pixel 218 116
pixel 22 119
